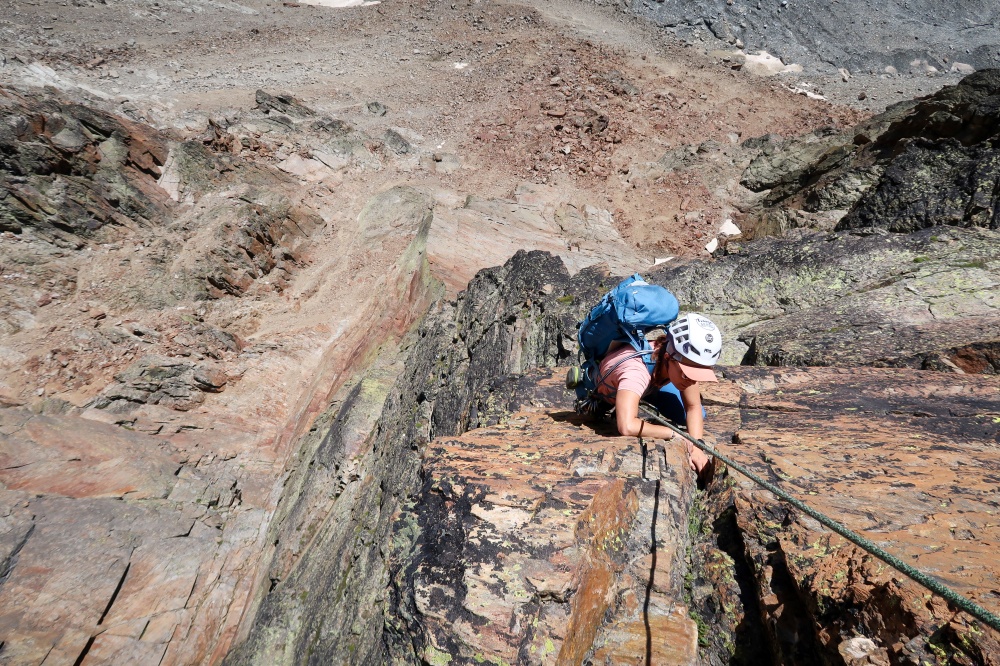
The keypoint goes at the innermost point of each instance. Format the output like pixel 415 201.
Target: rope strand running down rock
pixel 916 575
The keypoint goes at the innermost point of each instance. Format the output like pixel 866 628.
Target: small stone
pixel 377 108
pixel 861 651
pixel 395 141
pixel 69 140
pixel 862 95
pixel 210 379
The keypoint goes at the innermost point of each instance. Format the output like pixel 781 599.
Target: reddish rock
pixel 535 546
pixel 906 458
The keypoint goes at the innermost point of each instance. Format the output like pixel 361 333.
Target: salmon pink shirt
pixel 631 375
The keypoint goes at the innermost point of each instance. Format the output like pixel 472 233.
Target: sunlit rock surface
pixel 546 540
pixel 908 459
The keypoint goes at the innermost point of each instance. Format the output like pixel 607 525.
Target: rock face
pixel 922 300
pixel 581 234
pixel 327 601
pixel 114 543
pixel 166 381
pixel 488 554
pixel 540 540
pixel 925 163
pixel 946 165
pixel 144 427
pixel 369 489
pixel 905 457
pixel 67 170
pixel 804 33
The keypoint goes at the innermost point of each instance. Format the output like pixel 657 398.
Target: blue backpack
pixel 625 314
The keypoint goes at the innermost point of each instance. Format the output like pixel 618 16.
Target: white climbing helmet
pixel 696 338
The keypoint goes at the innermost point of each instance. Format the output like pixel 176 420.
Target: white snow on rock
pixel 808 93
pixel 729 229
pixel 712 246
pixel 765 64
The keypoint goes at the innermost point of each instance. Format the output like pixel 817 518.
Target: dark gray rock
pixel 333 126
pixel 67 170
pixel 618 84
pixel 933 161
pixel 282 105
pixel 396 143
pixel 155 380
pixel 794 162
pixel 943 162
pixel 856 34
pixel 377 108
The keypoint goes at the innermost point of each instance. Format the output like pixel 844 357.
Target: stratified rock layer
pixel 906 458
pixel 66 169
pixel 921 300
pixel 328 599
pixel 542 540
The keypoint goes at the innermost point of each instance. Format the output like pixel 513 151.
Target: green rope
pixel 934 586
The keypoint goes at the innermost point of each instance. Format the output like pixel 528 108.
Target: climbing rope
pixel 918 576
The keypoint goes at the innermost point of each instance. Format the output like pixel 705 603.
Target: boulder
pixel 924 163
pixel 916 300
pixel 282 104
pixel 154 380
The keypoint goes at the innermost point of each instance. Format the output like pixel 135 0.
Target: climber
pixel 683 361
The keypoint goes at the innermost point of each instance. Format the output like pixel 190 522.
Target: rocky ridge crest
pixel 352 559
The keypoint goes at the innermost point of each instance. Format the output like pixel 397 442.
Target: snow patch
pixel 729 229
pixel 765 64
